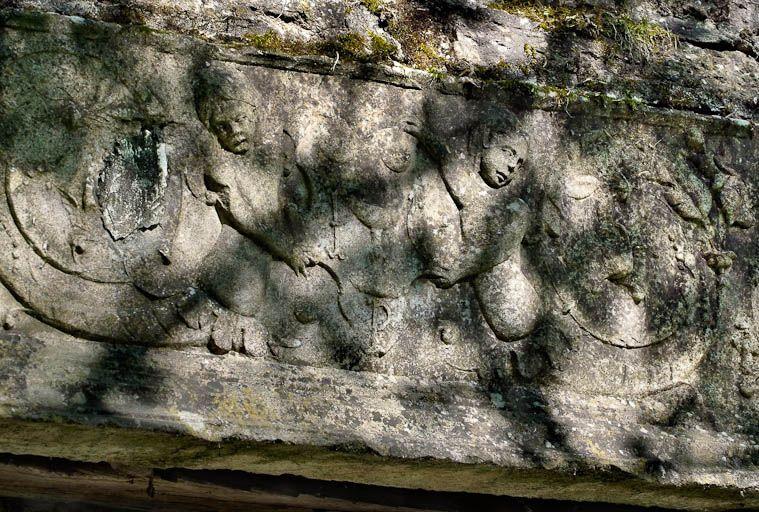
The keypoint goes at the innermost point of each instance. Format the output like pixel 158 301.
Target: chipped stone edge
pixel 146 418
pixel 571 101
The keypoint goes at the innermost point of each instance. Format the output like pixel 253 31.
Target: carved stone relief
pixel 323 221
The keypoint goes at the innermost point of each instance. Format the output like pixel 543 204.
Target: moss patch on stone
pixel 418 35
pixel 429 57
pixel 351 46
pixel 268 40
pixel 547 17
pixel 638 38
pixel 381 48
pixel 373 6
pixel 369 47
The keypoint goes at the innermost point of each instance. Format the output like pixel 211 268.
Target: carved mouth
pixel 439 278
pixel 506 176
pixel 240 145
pixel 497 178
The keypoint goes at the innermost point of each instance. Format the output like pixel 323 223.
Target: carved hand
pixel 434 148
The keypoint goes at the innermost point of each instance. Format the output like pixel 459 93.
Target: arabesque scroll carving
pixel 361 226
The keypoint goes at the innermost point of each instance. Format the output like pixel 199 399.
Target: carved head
pixel 626 270
pixel 229 122
pixel 223 107
pixel 500 145
pixel 502 157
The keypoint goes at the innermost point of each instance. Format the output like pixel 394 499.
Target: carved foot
pixel 236 333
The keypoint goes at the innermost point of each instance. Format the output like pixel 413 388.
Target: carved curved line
pixel 29 296
pixel 46 258
pixel 19 60
pixel 381 327
pixel 29 309
pixel 332 274
pixel 616 344
pixel 342 309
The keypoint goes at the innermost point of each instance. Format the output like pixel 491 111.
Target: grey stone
pixel 143 409
pixel 499 39
pixel 131 185
pixel 497 280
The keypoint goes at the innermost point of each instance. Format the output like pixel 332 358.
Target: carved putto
pixel 315 221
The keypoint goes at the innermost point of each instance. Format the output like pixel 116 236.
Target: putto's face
pixel 230 123
pixel 501 160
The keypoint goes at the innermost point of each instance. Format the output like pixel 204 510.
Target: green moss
pixel 374 6
pixel 349 46
pixel 640 38
pixel 547 17
pixel 269 40
pixel 430 53
pixel 353 46
pixel 562 97
pixel 418 35
pixel 381 48
pixel 424 56
pixel 502 70
pixel 437 74
pixel 417 42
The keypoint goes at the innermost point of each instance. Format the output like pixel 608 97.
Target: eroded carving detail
pixel 131 185
pixel 363 227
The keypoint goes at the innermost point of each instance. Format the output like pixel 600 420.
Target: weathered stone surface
pixel 498 39
pixel 693 56
pixel 510 281
pixel 359 427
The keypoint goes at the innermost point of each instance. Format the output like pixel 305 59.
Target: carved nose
pixel 620 273
pixel 620 268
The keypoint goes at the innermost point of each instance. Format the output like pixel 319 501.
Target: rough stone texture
pixel 499 38
pixel 358 427
pixel 481 282
pixel 694 55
